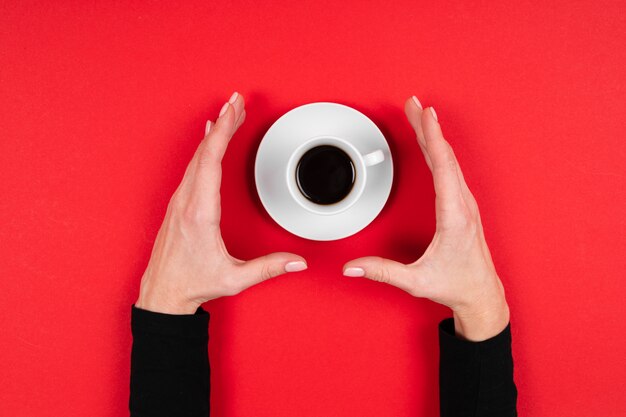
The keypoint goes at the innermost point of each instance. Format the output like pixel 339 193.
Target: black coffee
pixel 325 174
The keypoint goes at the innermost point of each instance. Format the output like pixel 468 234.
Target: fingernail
pixel 432 110
pixel 224 107
pixel 295 266
pixel 233 98
pixel 207 129
pixel 354 272
pixel 417 102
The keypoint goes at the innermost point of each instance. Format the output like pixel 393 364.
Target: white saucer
pixel 292 129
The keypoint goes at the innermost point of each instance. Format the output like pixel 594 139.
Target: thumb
pixel 382 270
pixel 268 266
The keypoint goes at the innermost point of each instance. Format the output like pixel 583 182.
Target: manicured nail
pixel 224 107
pixel 233 98
pixel 207 129
pixel 417 102
pixel 295 266
pixel 354 272
pixel 432 110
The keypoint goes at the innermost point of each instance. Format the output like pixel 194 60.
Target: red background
pixel 102 106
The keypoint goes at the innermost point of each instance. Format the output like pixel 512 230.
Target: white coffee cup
pixel 360 162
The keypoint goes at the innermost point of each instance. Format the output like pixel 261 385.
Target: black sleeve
pixel 476 378
pixel 169 371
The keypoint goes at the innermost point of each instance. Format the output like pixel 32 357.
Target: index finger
pixel 468 198
pixel 445 175
pixel 413 110
pixel 204 172
pixel 215 142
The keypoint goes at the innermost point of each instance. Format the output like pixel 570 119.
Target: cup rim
pixel 355 193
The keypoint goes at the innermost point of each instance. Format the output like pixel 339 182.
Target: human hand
pixel 189 263
pixel 456 269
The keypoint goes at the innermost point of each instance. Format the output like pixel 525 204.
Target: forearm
pixel 170 374
pixel 476 378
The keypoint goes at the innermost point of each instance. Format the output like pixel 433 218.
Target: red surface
pixel 102 106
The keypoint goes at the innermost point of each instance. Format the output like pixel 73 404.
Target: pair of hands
pixel 190 264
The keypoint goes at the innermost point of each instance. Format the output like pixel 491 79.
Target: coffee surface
pixel 325 174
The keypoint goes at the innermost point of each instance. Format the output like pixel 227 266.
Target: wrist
pixel 484 320
pixel 158 299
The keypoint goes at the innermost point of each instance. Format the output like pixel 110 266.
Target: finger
pixel 240 113
pixel 266 267
pixel 468 197
pixel 413 111
pixel 465 191
pixel 238 104
pixel 382 270
pixel 190 170
pixel 215 143
pixel 240 121
pixel 204 173
pixel 218 134
pixel 445 175
pixel 213 147
pixel 206 176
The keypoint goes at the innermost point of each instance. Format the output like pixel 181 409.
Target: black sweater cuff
pixel 170 371
pixel 176 325
pixel 476 378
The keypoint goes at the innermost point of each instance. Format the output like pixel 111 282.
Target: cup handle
pixel 374 158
